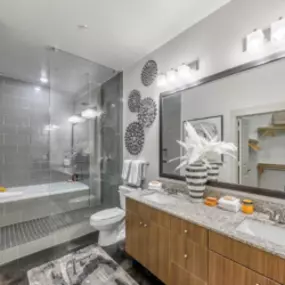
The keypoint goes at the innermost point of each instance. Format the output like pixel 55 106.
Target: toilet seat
pixel 109 216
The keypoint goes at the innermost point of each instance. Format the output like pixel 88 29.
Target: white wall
pixel 216 41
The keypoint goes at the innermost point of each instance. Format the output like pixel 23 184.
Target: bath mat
pixel 88 266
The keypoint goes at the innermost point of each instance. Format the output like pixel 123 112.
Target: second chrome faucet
pixel 277 216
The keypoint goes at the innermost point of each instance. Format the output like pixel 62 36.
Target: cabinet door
pixel 143 242
pixel 163 241
pixel 223 271
pixel 178 252
pixel 132 234
pixel 197 260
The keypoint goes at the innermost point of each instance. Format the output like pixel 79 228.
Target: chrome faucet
pixel 277 216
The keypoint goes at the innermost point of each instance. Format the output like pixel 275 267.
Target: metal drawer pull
pixel 145 225
pixel 185 256
pixel 185 231
pixel 141 223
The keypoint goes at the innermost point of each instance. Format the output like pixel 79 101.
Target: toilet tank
pixel 122 191
pixel 122 200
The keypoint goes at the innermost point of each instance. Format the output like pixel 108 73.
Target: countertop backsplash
pixel 261 203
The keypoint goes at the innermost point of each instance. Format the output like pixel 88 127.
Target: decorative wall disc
pixel 134 138
pixel 134 101
pixel 147 112
pixel 149 73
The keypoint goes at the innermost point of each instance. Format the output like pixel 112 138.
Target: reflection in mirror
pixel 245 107
pixel 261 150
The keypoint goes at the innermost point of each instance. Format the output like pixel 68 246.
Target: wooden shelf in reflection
pixel 262 166
pixel 270 130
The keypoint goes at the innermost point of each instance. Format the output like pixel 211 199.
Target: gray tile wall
pixel 111 140
pixel 24 145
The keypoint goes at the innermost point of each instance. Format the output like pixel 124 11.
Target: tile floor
pixel 15 273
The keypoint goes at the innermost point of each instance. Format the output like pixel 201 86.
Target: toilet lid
pixel 108 214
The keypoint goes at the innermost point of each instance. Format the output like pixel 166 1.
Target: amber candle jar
pixel 247 206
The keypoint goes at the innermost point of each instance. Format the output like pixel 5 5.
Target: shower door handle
pixel 164 155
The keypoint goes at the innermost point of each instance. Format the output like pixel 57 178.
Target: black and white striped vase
pixel 196 178
pixel 213 171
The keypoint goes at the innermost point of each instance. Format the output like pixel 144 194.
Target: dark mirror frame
pixel 232 71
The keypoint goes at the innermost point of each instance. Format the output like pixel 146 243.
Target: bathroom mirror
pixel 244 105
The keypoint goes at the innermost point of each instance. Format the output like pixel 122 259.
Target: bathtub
pixel 20 204
pixel 35 191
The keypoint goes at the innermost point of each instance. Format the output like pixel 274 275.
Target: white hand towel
pixel 126 169
pixel 137 173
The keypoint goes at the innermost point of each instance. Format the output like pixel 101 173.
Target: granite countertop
pixel 212 218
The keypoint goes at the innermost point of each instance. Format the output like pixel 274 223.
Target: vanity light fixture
pixel 76 119
pixel 277 31
pixel 255 40
pixel 161 80
pixel 89 113
pixel 171 76
pixel 184 71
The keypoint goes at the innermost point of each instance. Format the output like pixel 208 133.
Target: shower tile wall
pixel 111 140
pixel 24 145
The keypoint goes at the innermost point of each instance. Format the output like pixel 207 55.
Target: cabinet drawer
pixel 262 262
pixel 191 231
pixel 223 271
pixel 189 255
pixel 179 276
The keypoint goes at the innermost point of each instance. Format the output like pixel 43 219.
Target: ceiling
pixel 120 32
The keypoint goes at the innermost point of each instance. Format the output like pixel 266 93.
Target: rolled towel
pixel 229 203
pixel 126 169
pixel 155 185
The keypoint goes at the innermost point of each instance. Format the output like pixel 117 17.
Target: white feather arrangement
pixel 198 148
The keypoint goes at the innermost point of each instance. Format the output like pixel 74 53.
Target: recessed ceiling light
pixel 44 79
pixel 37 89
pixel 82 26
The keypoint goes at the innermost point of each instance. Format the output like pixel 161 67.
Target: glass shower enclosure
pixel 60 146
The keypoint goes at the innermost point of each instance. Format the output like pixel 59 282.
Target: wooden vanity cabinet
pixel 169 247
pixel 182 253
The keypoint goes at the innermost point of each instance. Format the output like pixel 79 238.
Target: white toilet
pixel 111 222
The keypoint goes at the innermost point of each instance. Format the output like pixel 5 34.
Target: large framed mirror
pixel 244 105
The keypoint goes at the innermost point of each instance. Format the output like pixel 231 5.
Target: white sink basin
pixel 262 230
pixel 160 198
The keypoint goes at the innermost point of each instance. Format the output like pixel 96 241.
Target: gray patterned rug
pixel 88 266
